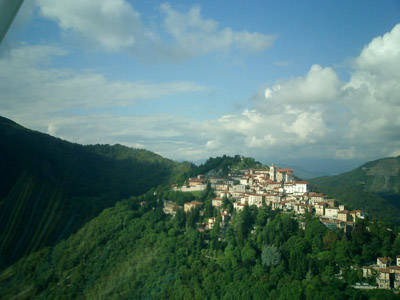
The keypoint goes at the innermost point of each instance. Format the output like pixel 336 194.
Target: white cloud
pixel 320 85
pixel 382 55
pixel 319 116
pixel 307 126
pixel 115 25
pixel 195 35
pixel 31 89
pixel 51 129
pixel 315 115
pixel 373 92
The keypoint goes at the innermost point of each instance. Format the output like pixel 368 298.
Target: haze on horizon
pixel 313 84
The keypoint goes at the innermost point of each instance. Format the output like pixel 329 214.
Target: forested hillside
pixel 49 187
pixel 222 165
pixel 132 251
pixel 373 187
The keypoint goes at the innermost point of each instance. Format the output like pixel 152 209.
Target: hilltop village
pixel 272 186
pixel 279 189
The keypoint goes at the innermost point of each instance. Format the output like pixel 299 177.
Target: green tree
pixel 248 255
pixel 329 239
pixel 244 224
pixel 180 218
pixel 270 256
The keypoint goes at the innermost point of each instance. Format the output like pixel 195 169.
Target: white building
pixel 241 188
pixel 331 212
pixel 297 188
pixel 269 199
pixel 199 187
pixel 238 206
pixel 256 199
pixel 320 208
pixel 244 180
pixel 217 202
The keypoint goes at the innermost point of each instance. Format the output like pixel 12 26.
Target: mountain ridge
pixel 55 186
pixel 373 186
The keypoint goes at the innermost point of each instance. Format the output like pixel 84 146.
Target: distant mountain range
pixel 374 187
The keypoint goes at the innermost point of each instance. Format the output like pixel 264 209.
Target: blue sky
pixel 286 81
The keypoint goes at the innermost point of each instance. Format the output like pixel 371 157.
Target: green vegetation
pixel 49 187
pixel 373 187
pixel 222 165
pixel 131 251
pixel 63 233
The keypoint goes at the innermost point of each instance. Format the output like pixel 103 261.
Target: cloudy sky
pixel 310 83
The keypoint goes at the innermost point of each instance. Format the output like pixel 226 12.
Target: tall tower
pixel 272 172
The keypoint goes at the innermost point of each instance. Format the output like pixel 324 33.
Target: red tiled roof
pixel 284 170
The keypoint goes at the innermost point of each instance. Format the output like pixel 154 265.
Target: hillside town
pixel 275 187
pixel 279 189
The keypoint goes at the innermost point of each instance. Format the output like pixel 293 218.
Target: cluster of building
pixel 192 185
pixel 386 271
pixel 171 208
pixel 279 189
pixel 275 187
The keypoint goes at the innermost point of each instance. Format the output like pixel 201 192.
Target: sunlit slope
pixel 374 187
pixel 50 187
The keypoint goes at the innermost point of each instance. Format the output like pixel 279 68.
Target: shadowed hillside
pixel 50 187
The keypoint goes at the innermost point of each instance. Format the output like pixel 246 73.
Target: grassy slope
pixel 49 187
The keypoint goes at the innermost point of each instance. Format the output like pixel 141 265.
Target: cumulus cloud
pixel 318 86
pixel 318 115
pixel 373 91
pixel 116 26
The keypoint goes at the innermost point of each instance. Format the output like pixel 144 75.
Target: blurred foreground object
pixel 8 11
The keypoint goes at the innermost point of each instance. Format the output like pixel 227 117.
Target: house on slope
pixel 191 205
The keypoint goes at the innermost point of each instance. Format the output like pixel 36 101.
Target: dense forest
pixel 134 251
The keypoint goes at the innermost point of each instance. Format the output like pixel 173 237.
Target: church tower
pixel 272 172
